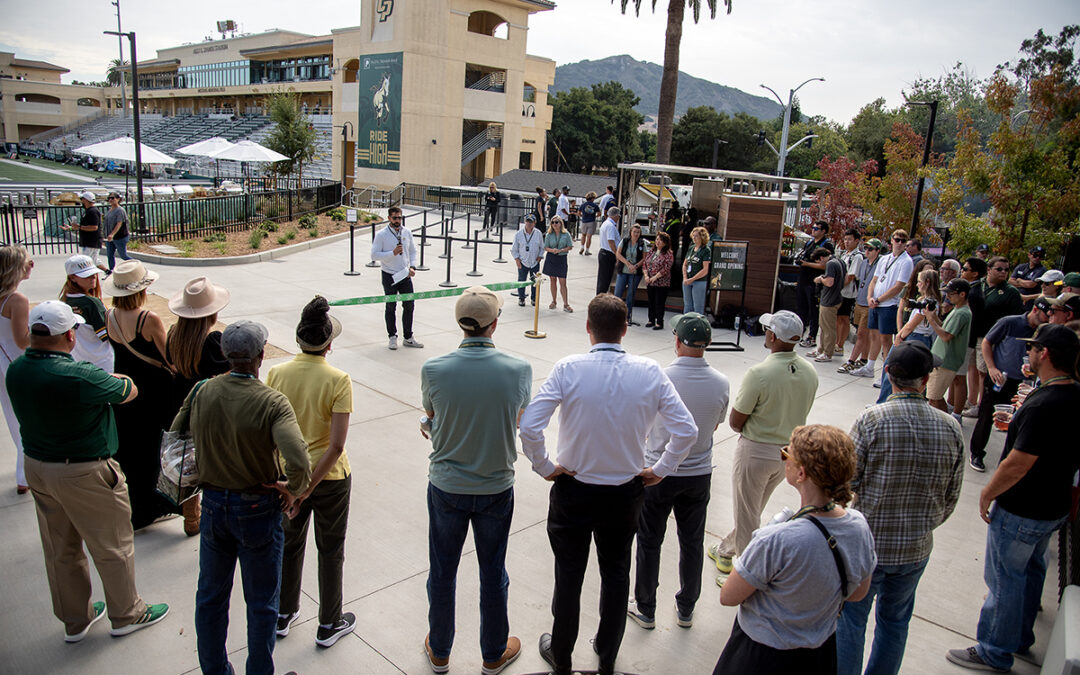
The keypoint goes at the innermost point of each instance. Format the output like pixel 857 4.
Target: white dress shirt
pixel 607 401
pixel 382 249
pixel 563 209
pixel 609 232
pixel 528 248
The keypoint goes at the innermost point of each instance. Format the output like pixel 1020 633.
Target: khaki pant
pixel 753 479
pixel 86 502
pixel 827 322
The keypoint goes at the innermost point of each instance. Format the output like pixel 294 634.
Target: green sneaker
pixel 152 615
pixel 723 562
pixel 99 611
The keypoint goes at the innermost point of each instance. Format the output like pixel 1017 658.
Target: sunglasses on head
pixel 785 453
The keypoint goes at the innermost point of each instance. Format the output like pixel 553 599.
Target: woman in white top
pixel 15 267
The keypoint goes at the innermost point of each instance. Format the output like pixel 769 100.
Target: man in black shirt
pixel 1032 487
pixel 807 307
pixel 89 228
pixel 1025 274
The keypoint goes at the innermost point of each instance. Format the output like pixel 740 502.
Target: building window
pixel 490 24
pixel 525 160
pixel 530 94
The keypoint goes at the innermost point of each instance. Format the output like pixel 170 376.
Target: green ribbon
pixel 424 295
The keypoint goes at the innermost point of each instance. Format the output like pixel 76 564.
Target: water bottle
pixel 997 387
pixel 783 516
pixel 425 425
pixel 738 322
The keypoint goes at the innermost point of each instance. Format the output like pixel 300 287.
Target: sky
pixel 864 49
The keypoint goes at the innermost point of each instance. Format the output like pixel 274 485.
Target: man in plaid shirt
pixel 907 482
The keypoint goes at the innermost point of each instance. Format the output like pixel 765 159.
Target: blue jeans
pixel 894 586
pixel 117 247
pixel 523 274
pixel 886 385
pixel 449 516
pixel 1014 571
pixel 623 282
pixel 245 527
pixel 693 296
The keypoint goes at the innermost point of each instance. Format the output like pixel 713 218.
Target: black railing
pixel 39 228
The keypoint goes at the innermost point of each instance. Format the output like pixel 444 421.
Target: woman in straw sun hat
pixel 138 339
pixel 194 350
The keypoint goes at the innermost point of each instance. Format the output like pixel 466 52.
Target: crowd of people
pixel 272 459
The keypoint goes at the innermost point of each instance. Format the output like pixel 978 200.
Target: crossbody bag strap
pixel 124 341
pixel 834 547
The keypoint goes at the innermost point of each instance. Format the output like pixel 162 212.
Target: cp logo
pixel 384 9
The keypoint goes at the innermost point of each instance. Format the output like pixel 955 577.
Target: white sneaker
pixel 393 342
pixel 970 411
pixel 813 354
pixel 865 371
pixel 821 358
pixel 411 342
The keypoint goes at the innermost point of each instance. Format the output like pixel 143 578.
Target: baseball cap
pixel 530 216
pixel 911 360
pixel 785 325
pixel 243 340
pixel 88 196
pixel 982 247
pixel 1043 303
pixel 81 266
pixel 1038 250
pixel 874 243
pixel 692 329
pixel 1071 279
pixel 1054 336
pixel 54 316
pixel 1070 301
pixel 1051 277
pixel 477 307
pixel 958 286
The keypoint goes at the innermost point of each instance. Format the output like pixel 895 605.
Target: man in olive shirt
pixel 79 491
pixel 239 426
pixel 775 397
pixel 471 476
pixel 950 343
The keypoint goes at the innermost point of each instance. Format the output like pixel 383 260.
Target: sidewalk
pixel 386 565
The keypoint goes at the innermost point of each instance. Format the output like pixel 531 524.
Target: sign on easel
pixel 727 272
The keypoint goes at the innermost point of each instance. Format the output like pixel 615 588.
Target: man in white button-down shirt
pixel 600 472
pixel 394 249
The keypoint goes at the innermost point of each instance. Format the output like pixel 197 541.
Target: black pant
pixel 490 216
pixel 329 502
pixel 605 269
pixel 608 514
pixel 743 655
pixel 657 298
pixel 390 288
pixel 983 426
pixel 807 307
pixel 689 497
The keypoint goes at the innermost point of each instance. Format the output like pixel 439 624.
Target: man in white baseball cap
pixel 774 398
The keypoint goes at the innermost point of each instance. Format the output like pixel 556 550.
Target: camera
pixel 928 305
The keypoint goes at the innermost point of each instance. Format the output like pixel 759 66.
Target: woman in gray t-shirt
pixel 787 583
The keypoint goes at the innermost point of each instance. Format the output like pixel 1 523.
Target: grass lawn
pixel 49 164
pixel 24 174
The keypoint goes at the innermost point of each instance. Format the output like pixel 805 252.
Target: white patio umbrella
pixel 248 151
pixel 123 148
pixel 206 148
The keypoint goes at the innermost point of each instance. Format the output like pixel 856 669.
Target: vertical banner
pixel 378 138
pixel 728 271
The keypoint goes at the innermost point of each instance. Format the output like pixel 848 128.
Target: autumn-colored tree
pixel 836 204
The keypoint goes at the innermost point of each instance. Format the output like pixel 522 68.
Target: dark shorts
pixel 846 306
pixel 883 320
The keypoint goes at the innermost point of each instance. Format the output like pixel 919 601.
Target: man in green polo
pixel 79 491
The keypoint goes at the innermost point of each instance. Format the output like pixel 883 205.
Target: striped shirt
pixel 907 481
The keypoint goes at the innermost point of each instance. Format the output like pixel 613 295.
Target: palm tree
pixel 119 71
pixel 669 83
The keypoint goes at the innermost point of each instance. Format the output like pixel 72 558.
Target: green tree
pixel 596 128
pixel 647 143
pixel 118 71
pixel 957 89
pixel 693 136
pixel 802 162
pixel 293 134
pixel 669 82
pixel 868 131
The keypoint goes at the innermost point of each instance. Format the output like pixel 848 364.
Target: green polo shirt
pixel 63 406
pixel 476 393
pixel 777 395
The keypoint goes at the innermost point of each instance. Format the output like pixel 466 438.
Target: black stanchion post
pixel 372 263
pixel 500 258
pixel 468 231
pixel 453 217
pixel 475 248
pixel 448 283
pixel 352 253
pixel 423 242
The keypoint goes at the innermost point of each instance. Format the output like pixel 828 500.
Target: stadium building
pixel 436 92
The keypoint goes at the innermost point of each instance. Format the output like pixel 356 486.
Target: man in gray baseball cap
pixel 240 426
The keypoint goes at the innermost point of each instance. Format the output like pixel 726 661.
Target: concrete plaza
pixel 386 566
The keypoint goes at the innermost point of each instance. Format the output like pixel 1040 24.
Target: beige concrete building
pixel 33 100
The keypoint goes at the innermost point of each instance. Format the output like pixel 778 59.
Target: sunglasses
pixel 1036 347
pixel 1001 269
pixel 900 239
pixel 1059 309
pixel 967 269
pixel 785 453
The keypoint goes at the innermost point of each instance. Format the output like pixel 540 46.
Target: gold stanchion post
pixel 535 332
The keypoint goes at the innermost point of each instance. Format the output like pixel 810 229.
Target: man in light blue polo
pixel 471 476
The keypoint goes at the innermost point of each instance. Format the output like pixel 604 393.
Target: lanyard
pixel 810 508
pixel 606 349
pixel 906 394
pixel 482 345
pixel 247 375
pixel 890 264
pixel 1059 378
pixel 528 239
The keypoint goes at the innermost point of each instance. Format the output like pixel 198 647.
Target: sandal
pixel 552 306
pixel 568 309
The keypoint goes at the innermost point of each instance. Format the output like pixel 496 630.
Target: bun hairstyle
pixel 315 328
pixel 827 454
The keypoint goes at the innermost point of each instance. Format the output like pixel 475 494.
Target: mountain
pixel 643 78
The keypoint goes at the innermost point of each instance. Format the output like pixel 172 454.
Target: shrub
pixel 313 232
pixel 283 240
pixel 269 226
pixel 337 214
pixel 187 248
pixel 213 237
pixel 308 221
pixel 256 237
pixel 222 248
pixel 290 235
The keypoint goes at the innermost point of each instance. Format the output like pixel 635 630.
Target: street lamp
pixel 716 150
pixel 120 43
pixel 346 131
pixel 135 121
pixel 784 149
pixel 925 160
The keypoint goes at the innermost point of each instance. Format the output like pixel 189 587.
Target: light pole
pixel 716 150
pixel 346 130
pixel 135 122
pixel 925 160
pixel 120 43
pixel 784 149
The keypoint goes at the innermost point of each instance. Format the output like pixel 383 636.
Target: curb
pixel 280 252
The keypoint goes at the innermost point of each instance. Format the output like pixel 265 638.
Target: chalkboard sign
pixel 728 270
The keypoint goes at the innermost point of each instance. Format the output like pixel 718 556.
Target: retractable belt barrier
pixel 424 295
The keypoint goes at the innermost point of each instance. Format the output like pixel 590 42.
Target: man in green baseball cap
pixel 1071 283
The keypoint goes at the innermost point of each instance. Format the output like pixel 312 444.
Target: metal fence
pixel 39 228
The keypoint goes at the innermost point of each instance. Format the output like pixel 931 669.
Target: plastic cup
pixel 1002 414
